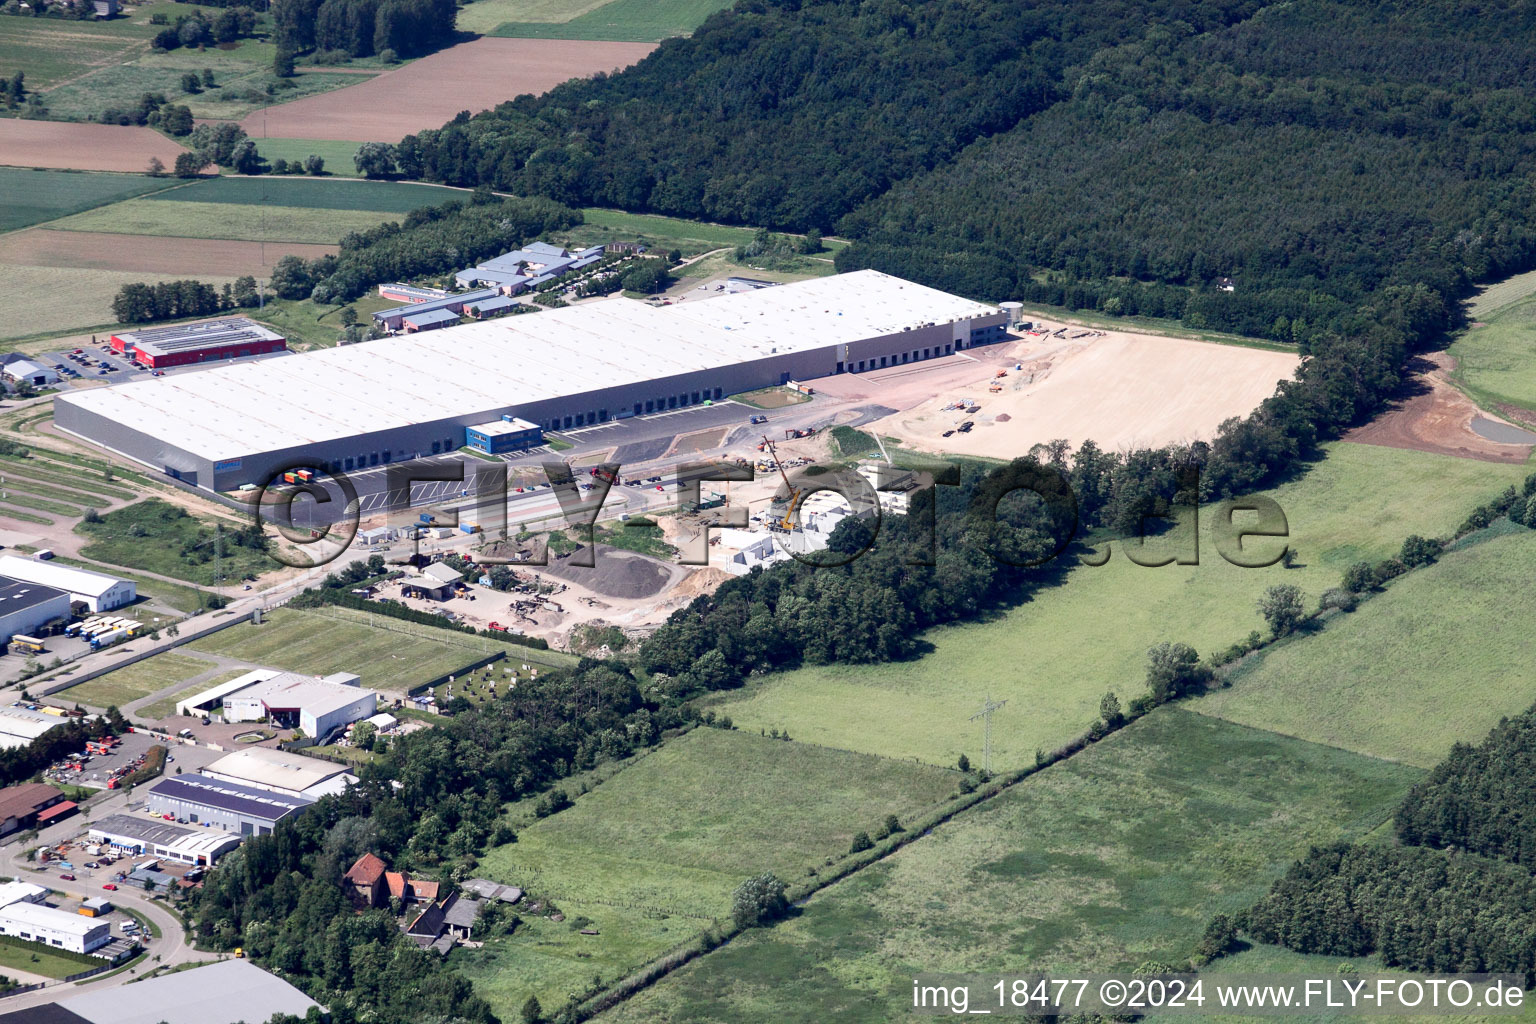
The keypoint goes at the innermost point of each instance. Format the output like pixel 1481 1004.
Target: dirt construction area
pixel 84 147
pixel 1436 417
pixel 1123 390
pixel 427 93
pixel 148 254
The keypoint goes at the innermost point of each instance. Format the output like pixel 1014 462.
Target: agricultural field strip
pixel 35 196
pixel 48 486
pixel 253 222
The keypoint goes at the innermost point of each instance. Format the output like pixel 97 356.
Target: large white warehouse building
pixel 399 398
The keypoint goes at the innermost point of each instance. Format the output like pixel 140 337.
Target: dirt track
pixel 472 76
pixel 85 147
pixel 192 257
pixel 1437 418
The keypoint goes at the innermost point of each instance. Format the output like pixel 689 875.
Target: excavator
pixel 787 522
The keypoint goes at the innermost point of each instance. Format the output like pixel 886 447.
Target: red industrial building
pixel 185 344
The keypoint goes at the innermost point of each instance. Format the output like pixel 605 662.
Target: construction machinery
pixel 787 522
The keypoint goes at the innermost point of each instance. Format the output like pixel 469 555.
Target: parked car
pixel 67 877
pixel 92 864
pixel 110 887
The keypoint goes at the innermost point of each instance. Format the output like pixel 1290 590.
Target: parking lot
pixel 99 363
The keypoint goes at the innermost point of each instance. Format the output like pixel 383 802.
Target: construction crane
pixel 787 522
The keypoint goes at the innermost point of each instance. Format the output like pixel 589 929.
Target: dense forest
pixel 1480 798
pixel 1457 895
pixel 362 28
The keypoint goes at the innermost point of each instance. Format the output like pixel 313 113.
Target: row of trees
pixel 141 303
pixel 198 30
pixel 362 28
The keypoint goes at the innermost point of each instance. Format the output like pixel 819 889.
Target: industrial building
pixel 508 434
pixel 534 264
pixel 164 839
pixel 18 369
pixel 97 591
pixel 19 726
pixel 51 927
pixel 25 608
pixel 289 700
pixel 400 398
pixel 393 319
pixel 226 992
pixel 410 293
pixel 278 771
pixel 230 806
pixel 23 806
pixel 186 344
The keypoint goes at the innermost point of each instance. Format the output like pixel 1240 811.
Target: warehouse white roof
pixel 221 993
pixel 48 917
pixel 278 769
pixel 27 724
pixel 271 405
pixel 20 892
pixel 57 575
pixel 224 689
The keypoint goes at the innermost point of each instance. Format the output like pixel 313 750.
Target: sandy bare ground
pixel 472 76
pixel 85 147
pixel 149 254
pixel 1123 390
pixel 1436 417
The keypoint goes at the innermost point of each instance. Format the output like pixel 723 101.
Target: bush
pixel 758 901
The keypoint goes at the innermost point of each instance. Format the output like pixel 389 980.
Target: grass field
pixel 242 76
pixel 1500 294
pixel 1496 363
pixel 152 534
pixel 254 222
pixel 37 959
pixel 51 478
pixel 1360 502
pixel 32 197
pixel 1362 685
pixel 166 706
pixel 135 681
pixel 51 51
pixel 315 193
pixel 317 644
pixel 664 233
pixel 639 21
pixel 309 325
pixel 29 302
pixel 485 15
pixel 336 154
pixel 656 850
pixel 1117 856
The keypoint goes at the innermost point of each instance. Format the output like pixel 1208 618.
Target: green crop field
pixel 137 680
pixel 626 21
pixel 1496 296
pixel 484 15
pixel 1117 856
pixel 655 851
pixel 1496 363
pixel 1363 684
pixel 32 197
pixel 29 303
pixel 1054 657
pixel 253 222
pixel 319 644
pixel 337 155
pixel 50 51
pixel 315 193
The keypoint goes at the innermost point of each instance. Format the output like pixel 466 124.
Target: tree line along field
pixel 1434 660
pixel 1116 856
pixel 658 848
pixel 315 194
pixel 1055 656
pixel 640 21
pixel 1496 361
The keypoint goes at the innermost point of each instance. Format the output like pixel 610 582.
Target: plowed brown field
pixel 85 147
